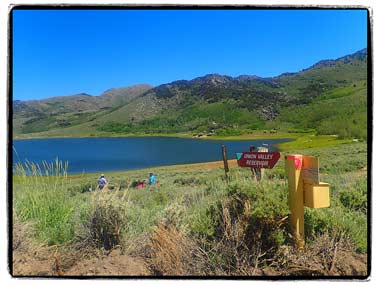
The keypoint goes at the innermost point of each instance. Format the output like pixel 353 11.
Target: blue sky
pixel 64 52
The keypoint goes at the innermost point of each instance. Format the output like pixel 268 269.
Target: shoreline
pixel 178 167
pixel 177 135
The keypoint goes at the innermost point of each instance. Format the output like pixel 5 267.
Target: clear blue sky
pixel 64 52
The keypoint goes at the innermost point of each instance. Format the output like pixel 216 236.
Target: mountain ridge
pixel 192 105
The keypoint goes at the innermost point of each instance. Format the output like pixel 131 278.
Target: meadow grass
pixel 234 222
pixel 311 141
pixel 40 194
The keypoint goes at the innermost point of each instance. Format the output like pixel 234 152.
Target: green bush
pixel 82 188
pixel 203 222
pixel 336 219
pixel 354 200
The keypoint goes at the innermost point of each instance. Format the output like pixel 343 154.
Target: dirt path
pixel 31 259
pixel 207 165
pixel 114 264
pixel 45 262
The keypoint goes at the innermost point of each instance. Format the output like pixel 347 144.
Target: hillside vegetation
pixel 65 111
pixel 328 98
pixel 341 111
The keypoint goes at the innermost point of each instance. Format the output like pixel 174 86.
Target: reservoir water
pixel 88 155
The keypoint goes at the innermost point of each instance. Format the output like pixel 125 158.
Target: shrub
pixel 354 200
pixel 247 229
pixel 193 181
pixel 82 188
pixel 173 253
pixel 336 219
pixel 106 220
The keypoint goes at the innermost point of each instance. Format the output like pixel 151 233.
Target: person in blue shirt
pixel 102 182
pixel 152 179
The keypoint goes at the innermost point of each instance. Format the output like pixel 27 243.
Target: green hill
pixel 341 111
pixel 65 111
pixel 330 97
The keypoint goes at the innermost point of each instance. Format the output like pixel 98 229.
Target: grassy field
pixel 195 222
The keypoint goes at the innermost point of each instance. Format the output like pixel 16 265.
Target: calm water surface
pixel 108 154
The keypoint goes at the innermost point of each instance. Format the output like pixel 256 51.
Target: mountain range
pixel 329 97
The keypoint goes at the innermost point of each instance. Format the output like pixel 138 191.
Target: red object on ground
pixel 259 159
pixel 141 185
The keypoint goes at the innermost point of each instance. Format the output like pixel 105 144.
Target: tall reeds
pixel 40 194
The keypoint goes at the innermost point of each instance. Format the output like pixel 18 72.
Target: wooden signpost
pixel 256 172
pixel 305 189
pixel 257 160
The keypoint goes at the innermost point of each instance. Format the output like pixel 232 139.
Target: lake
pixel 88 155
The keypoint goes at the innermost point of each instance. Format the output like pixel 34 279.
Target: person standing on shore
pixel 102 181
pixel 152 179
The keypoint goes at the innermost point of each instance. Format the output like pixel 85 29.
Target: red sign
pixel 258 159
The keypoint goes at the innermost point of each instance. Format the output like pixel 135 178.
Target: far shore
pixel 251 136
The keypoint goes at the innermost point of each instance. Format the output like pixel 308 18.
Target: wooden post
pixel 224 154
pixel 255 171
pixel 261 170
pixel 293 165
pixel 258 173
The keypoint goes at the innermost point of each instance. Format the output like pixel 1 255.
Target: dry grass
pixel 107 219
pixel 330 255
pixel 235 251
pixel 238 245
pixel 172 253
